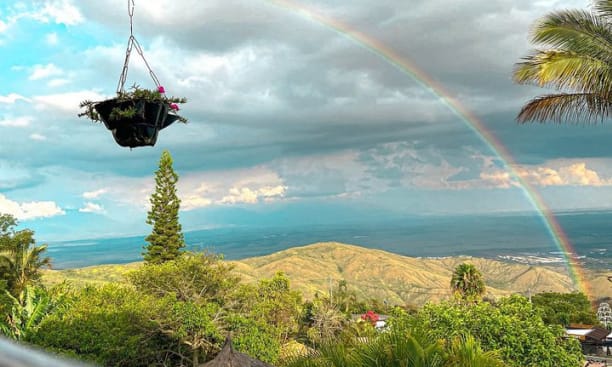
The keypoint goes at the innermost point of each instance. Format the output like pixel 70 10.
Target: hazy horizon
pixel 515 238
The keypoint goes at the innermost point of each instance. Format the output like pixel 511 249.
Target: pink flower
pixel 161 89
pixel 370 316
pixel 174 106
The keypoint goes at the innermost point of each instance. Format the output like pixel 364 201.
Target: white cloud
pixel 60 12
pixel 497 179
pixel 190 202
pixel 51 39
pixel 29 210
pixel 38 137
pixel 246 186
pixel 271 192
pixel 552 173
pixel 57 11
pixel 94 194
pixel 574 174
pixel 91 208
pixel 239 195
pixel 246 195
pixel 66 102
pixel 44 71
pixel 58 82
pixel 21 121
pixel 12 98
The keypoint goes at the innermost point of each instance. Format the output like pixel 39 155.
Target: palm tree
pixel 21 261
pixel 576 61
pixel 466 352
pixel 403 349
pixel 467 282
pixel 392 349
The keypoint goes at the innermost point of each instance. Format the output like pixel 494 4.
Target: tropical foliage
pixel 20 258
pixel 405 344
pixel 465 351
pixel 111 326
pixel 26 313
pixel 467 282
pixel 575 60
pixel 565 308
pixel 512 327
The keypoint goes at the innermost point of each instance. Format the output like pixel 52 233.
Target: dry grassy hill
pixel 401 279
pixel 374 273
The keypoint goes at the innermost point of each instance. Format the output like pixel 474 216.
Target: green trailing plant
pixel 128 111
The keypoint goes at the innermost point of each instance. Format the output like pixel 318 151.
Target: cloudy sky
pixel 291 120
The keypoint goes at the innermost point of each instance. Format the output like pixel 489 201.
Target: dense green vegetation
pixel 178 312
pixel 512 327
pixel 565 308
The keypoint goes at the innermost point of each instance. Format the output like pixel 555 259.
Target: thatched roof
pixel 228 357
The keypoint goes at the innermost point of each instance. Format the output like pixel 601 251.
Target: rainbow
pixel 470 120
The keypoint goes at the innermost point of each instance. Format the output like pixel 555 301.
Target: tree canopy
pixel 467 282
pixel 166 239
pixel 20 258
pixel 565 308
pixel 513 328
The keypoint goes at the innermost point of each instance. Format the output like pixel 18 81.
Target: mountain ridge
pixel 374 273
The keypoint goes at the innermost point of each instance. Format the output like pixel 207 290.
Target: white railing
pixel 17 355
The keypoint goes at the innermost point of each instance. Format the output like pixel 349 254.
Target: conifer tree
pixel 166 239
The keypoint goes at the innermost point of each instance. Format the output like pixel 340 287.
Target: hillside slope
pixel 374 274
pixel 395 278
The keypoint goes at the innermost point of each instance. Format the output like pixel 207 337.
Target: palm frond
pixel 576 107
pixel 603 8
pixel 564 70
pixel 577 31
pixel 466 351
pixel 329 354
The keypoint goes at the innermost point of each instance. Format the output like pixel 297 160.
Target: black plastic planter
pixel 140 129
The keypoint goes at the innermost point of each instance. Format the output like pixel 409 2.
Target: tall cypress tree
pixel 166 239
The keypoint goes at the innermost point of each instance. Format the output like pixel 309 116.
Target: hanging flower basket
pixel 135 117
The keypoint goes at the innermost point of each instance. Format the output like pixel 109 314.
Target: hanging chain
pixel 132 42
